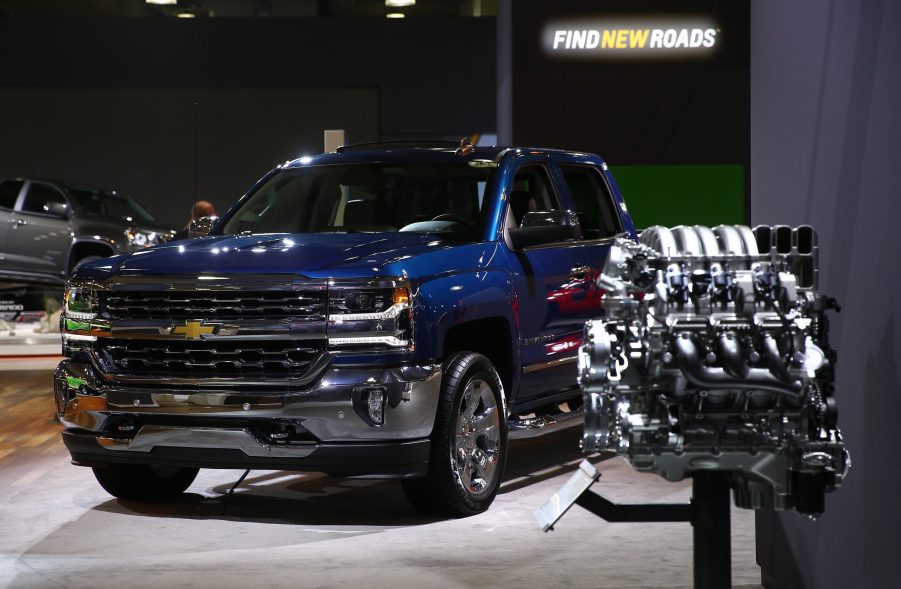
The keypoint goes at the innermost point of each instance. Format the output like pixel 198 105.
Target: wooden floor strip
pixel 28 429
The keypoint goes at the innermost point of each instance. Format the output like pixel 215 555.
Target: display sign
pixel 660 89
pixel 11 302
pixel 642 38
pixel 20 303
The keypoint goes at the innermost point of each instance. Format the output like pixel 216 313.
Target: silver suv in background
pixel 48 227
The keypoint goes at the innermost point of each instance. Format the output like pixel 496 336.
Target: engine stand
pixel 708 512
pixel 710 518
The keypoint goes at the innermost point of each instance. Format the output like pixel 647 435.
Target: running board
pixel 531 427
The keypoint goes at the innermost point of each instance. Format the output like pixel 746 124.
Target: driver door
pixel 548 285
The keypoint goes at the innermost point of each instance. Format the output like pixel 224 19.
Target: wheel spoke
pixel 486 424
pixel 473 394
pixel 484 464
pixel 465 471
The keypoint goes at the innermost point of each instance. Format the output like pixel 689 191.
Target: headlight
pixel 79 322
pixel 373 314
pixel 81 303
pixel 143 238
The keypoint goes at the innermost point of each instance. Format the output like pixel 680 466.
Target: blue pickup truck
pixel 386 310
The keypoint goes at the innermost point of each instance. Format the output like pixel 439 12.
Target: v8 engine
pixel 713 354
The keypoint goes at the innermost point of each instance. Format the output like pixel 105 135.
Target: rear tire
pixel 142 482
pixel 468 442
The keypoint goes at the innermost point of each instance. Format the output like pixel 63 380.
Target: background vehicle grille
pixel 212 358
pixel 170 305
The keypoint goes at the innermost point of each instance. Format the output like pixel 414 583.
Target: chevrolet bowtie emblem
pixel 193 329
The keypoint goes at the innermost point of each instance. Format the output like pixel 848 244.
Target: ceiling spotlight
pixel 395 15
pixel 399 3
pixel 185 15
pixel 162 2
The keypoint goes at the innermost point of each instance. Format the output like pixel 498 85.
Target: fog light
pixel 375 399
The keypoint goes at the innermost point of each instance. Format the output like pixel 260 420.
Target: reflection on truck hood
pixel 315 255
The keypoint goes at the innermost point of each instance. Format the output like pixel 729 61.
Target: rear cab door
pixel 588 187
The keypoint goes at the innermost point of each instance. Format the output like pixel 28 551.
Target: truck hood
pixel 317 255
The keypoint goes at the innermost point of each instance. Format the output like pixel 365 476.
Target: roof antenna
pixel 466 147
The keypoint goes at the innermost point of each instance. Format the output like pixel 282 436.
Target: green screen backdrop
pixel 683 195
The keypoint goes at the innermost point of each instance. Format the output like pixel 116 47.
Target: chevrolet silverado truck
pixel 386 310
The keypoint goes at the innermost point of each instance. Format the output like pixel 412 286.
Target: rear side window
pixel 9 192
pixel 39 196
pixel 594 205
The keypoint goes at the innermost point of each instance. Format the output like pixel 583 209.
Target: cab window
pixel 9 193
pixel 531 191
pixel 594 205
pixel 39 197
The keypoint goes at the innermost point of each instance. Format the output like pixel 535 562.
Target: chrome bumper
pixel 250 424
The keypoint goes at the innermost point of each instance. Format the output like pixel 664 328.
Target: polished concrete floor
pixel 58 528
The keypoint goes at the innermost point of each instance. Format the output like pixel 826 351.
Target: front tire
pixel 142 482
pixel 468 442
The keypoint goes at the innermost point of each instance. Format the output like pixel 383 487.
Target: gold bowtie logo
pixel 193 329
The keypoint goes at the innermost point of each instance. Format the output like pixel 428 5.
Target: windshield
pixel 110 205
pixel 413 197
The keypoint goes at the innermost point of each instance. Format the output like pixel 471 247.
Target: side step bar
pixel 530 427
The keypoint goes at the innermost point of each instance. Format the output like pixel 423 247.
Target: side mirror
pixel 541 227
pixel 57 209
pixel 201 227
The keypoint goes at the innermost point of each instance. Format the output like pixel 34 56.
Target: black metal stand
pixel 709 514
pixel 710 518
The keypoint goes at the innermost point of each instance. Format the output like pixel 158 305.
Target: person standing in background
pixel 201 208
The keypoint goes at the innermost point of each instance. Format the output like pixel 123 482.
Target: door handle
pixel 580 272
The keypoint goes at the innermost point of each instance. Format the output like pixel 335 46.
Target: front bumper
pixel 324 427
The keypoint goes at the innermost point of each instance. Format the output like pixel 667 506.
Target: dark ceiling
pixel 242 8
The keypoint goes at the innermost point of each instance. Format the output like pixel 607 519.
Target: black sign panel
pixel 638 82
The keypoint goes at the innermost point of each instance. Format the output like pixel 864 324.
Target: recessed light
pixel 395 15
pixel 399 3
pixel 162 2
pixel 185 15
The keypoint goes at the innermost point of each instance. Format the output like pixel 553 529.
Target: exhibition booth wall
pixel 164 145
pixel 825 147
pixel 148 106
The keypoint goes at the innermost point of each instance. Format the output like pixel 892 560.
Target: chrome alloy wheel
pixel 477 439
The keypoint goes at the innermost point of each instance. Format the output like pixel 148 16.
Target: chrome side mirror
pixel 543 227
pixel 201 227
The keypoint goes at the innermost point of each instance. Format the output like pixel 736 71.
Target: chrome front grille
pixel 225 305
pixel 217 357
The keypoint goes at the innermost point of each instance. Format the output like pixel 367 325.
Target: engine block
pixel 713 354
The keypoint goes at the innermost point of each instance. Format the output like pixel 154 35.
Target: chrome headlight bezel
pixel 80 302
pixel 80 321
pixel 370 314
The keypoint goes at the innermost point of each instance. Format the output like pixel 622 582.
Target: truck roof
pixel 434 152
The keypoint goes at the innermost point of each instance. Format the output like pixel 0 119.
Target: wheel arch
pixel 470 311
pixel 491 337
pixel 88 247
